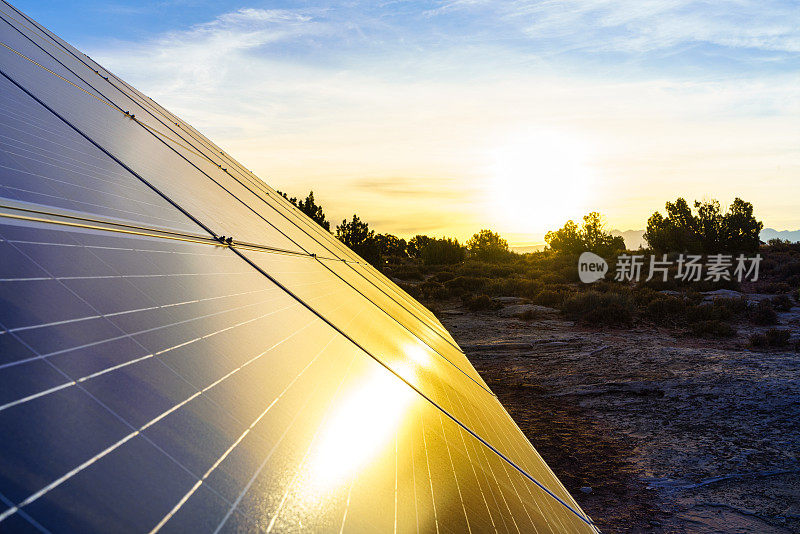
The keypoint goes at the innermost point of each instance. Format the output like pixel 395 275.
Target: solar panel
pixel 153 378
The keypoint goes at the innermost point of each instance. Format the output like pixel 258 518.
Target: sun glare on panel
pixel 360 426
pixel 538 181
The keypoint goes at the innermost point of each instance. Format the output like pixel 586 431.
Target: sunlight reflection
pixel 359 428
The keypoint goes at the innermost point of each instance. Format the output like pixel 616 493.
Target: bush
pixel 773 337
pixel 777 338
pixel 665 310
pixel 442 251
pixel 444 276
pixel 713 328
pixel 782 303
pixel 592 307
pixel 479 303
pixel 763 313
pixel 758 340
pixel 489 246
pixel 732 306
pixel 462 284
pixel 432 290
pixel 548 297
pixel 406 272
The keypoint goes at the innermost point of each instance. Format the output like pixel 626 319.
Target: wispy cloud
pixel 390 121
pixel 646 25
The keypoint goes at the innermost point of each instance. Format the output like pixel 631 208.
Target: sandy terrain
pixel 650 430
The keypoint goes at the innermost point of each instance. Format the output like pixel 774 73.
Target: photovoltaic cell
pixel 152 378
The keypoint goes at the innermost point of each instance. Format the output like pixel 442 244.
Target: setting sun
pixel 538 181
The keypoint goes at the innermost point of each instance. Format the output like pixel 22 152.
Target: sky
pixel 446 117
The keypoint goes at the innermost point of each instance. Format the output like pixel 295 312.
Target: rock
pixel 586 489
pixel 671 292
pixel 518 309
pixel 508 300
pixel 722 294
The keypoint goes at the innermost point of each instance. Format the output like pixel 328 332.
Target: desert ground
pixel 650 430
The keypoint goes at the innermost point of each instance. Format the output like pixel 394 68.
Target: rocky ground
pixel 652 431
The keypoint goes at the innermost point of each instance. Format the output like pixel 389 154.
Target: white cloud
pixel 646 25
pixel 426 124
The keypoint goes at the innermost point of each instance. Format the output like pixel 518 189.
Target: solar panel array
pixel 154 378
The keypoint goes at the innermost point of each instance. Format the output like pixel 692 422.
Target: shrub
pixel 782 303
pixel 407 272
pixel 700 312
pixel 713 328
pixel 489 246
pixel 763 313
pixel 442 251
pixel 463 284
pixel 444 276
pixel 773 337
pixel 773 288
pixel 548 297
pixel 479 303
pixel 665 309
pixel 777 338
pixel 497 271
pixel 430 289
pixel 758 340
pixel 733 306
pixel 599 308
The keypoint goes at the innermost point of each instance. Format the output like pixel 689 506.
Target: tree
pixel 708 231
pixel 391 245
pixel 442 251
pixel 310 208
pixel 488 246
pixel 416 245
pixel 591 235
pixel 740 229
pixel 357 235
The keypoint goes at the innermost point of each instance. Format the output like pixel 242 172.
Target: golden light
pixel 539 180
pixel 362 424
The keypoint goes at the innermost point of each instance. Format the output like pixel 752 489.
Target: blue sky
pixel 444 117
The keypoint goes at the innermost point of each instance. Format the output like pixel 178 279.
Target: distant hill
pixel 633 238
pixel 528 248
pixel 769 233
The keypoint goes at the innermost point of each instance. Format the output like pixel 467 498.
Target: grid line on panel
pixel 430 477
pixel 135 360
pixel 6 501
pixel 455 476
pixel 10 211
pixel 158 135
pixel 230 449
pixel 235 505
pixel 177 206
pixel 312 441
pixel 138 431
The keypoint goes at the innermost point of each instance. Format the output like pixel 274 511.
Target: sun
pixel 537 181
